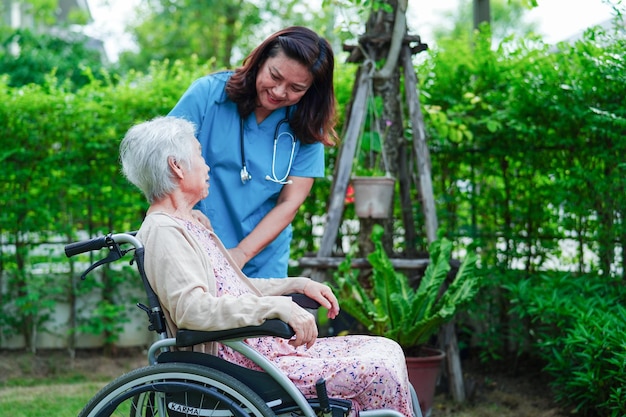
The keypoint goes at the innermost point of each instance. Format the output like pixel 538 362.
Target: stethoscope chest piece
pixel 245 175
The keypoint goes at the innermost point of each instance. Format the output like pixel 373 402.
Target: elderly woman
pixel 201 288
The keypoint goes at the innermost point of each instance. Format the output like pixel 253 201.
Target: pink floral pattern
pixel 370 371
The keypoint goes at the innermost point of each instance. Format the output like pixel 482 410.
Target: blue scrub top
pixel 235 208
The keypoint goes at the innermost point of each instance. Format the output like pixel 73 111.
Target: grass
pixel 50 384
pixel 52 398
pixel 63 399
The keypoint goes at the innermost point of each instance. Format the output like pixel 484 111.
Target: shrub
pixel 578 326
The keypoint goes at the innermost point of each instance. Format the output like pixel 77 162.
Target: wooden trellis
pixel 400 48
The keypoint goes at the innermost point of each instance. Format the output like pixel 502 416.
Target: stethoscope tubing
pixel 245 175
pixel 274 178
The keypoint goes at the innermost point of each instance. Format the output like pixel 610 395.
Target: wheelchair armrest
pixel 272 327
pixel 304 301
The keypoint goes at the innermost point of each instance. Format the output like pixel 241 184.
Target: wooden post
pixel 419 144
pixel 344 167
pixel 447 333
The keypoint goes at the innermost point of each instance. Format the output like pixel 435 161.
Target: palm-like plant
pixel 388 306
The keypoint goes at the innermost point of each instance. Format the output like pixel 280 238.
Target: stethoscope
pixel 245 175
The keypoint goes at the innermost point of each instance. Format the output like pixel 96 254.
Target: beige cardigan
pixel 180 272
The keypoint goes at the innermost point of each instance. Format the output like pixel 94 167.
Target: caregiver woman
pixel 263 128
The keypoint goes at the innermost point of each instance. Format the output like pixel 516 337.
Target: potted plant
pixel 386 303
pixel 373 195
pixel 373 185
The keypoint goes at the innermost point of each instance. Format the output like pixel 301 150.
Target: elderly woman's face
pixel 280 82
pixel 196 181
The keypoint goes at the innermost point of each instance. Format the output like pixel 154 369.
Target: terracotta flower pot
pixel 423 374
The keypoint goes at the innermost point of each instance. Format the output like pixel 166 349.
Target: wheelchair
pixel 181 383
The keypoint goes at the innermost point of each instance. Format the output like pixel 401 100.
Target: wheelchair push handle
pixel 110 241
pixel 114 242
pixel 77 248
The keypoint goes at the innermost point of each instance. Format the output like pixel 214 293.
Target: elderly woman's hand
pixel 303 324
pixel 323 295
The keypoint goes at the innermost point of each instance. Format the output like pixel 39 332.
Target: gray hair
pixel 146 148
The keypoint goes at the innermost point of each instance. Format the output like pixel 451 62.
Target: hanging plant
pixel 373 185
pixel 371 158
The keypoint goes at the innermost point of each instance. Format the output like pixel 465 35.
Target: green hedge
pixel 60 175
pixel 527 145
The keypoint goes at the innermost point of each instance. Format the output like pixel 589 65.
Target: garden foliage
pixel 578 328
pixel 527 145
pixel 387 303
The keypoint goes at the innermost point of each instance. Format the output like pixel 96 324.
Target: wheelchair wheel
pixel 176 390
